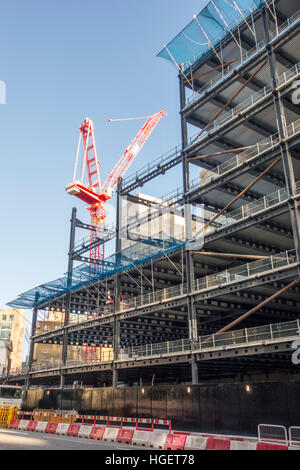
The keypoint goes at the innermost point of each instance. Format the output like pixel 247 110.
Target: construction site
pixel 197 307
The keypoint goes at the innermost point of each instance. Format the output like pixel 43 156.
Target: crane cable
pixel 129 119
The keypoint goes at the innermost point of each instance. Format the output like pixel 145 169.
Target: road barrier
pixel 265 446
pixel 125 436
pixel 97 433
pixel 273 434
pixel 110 434
pixel 32 426
pixel 157 439
pixel 14 424
pixel 62 429
pixel 214 443
pixel 175 441
pixel 23 425
pixel 85 431
pixel 150 438
pixel 294 436
pixel 195 442
pixel 73 430
pixel 54 417
pixel 141 437
pixel 41 426
pixel 51 428
pixel 7 415
pixel 126 421
pixel 242 445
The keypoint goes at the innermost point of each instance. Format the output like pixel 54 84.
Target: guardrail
pixel 249 102
pixel 154 165
pixel 294 436
pixel 273 434
pixel 222 278
pixel 244 59
pixel 245 271
pixel 272 333
pixel 207 176
pixel 253 208
pixel 73 417
pixel 225 74
pixel 236 338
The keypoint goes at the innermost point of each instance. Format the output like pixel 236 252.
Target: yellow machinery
pixel 7 414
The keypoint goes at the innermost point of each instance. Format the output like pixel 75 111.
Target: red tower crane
pixel 92 192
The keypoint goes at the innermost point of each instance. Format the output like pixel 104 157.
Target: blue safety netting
pixel 192 45
pixel 84 274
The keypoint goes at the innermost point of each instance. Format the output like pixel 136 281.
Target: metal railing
pixel 244 59
pixel 206 176
pixel 273 434
pixel 294 436
pixel 253 208
pixel 154 165
pixel 15 371
pixel 154 297
pixel 273 333
pixel 245 271
pixel 229 276
pixel 225 74
pixel 46 365
pixel 232 339
pixel 249 102
pixel 108 356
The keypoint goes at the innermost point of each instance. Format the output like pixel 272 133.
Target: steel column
pixel 287 158
pixel 31 350
pixel 116 322
pixel 68 294
pixel 190 274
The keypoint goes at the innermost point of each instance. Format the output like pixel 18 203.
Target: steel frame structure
pixel 256 224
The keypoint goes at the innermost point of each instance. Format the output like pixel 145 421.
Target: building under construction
pixel 212 294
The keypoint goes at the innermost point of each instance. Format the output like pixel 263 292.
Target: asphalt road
pixel 11 439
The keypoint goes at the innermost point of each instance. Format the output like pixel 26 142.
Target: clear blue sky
pixel 63 61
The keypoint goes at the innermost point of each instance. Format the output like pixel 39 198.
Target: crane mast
pixel 92 193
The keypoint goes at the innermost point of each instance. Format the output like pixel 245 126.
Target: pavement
pixel 11 439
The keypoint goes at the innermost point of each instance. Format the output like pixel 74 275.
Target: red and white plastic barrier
pixel 156 439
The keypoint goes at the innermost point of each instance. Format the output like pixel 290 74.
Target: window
pixel 11 317
pixel 10 393
pixel 4 317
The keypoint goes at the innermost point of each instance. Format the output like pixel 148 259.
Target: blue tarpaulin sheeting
pixel 191 44
pixel 85 274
